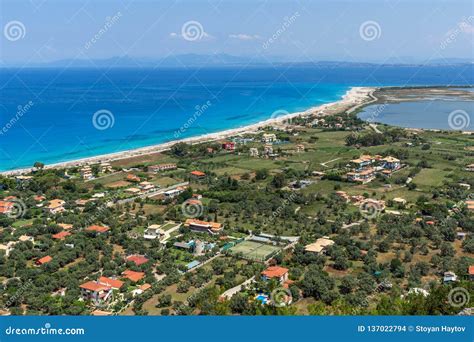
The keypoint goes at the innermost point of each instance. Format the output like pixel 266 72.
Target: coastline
pixel 354 98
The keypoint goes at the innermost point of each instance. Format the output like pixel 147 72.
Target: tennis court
pixel 254 250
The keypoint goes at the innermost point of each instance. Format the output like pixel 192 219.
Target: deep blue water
pixel 150 105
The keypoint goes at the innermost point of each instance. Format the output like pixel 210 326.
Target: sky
pixel 41 31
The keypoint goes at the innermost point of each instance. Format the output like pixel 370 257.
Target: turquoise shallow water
pixel 55 121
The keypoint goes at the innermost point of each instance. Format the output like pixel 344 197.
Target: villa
pixel 115 284
pixel 6 207
pixel 275 272
pixel 203 226
pixel 470 168
pixel 43 260
pixel 137 259
pixel 449 277
pixel 97 229
pixel 197 174
pixel 153 231
pixel 253 152
pixel 55 206
pixel 95 292
pixel 133 178
pixel 133 276
pixel 61 235
pixel 106 167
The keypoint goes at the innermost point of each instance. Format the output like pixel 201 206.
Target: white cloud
pixel 243 36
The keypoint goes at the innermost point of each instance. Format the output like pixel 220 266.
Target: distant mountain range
pixel 221 59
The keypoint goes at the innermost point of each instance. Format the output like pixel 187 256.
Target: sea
pixel 54 115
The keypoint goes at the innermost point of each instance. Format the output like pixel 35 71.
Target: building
pixel 43 260
pixel 399 201
pixel 275 272
pixel 228 145
pixel 300 148
pixel 363 176
pixel 133 276
pixel 471 272
pixel 61 235
pixel 173 193
pixel 391 163
pixel 162 167
pixel 8 247
pixel 56 206
pixel 98 229
pixel 115 284
pixel 137 259
pixel 362 162
pixel 450 277
pixel 203 226
pixel 86 173
pixel 6 207
pixel 253 152
pixel 268 149
pixel 319 246
pixel 343 195
pixel 146 186
pixel 106 167
pixel 268 138
pixel 153 232
pixel 197 174
pixel 470 168
pixel 133 178
pixel 96 292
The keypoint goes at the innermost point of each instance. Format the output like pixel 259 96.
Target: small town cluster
pixel 306 217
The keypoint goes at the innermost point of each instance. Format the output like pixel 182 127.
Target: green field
pixel 254 250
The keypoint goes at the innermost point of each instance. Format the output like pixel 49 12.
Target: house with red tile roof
pixel 98 229
pixel 95 292
pixel 137 259
pixel 56 206
pixel 471 272
pixel 133 276
pixel 43 260
pixel 203 226
pixel 275 272
pixel 6 207
pixel 115 284
pixel 228 145
pixel 133 178
pixel 61 235
pixel 197 174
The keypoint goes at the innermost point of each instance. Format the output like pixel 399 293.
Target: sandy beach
pixel 354 98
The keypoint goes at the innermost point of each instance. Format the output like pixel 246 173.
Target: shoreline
pixel 353 99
